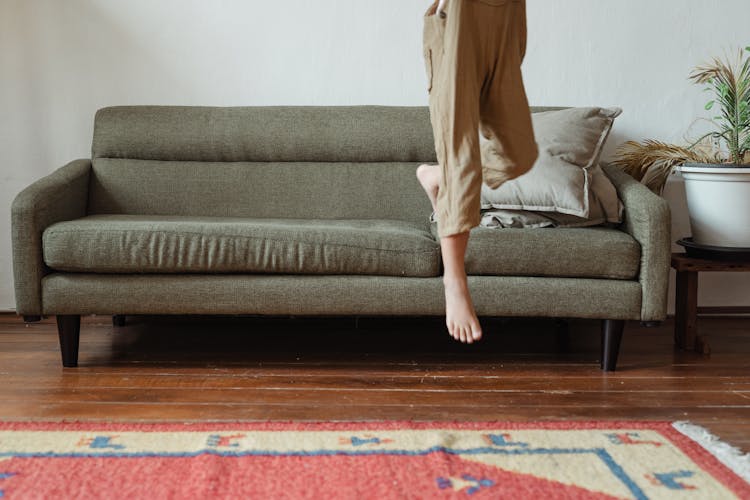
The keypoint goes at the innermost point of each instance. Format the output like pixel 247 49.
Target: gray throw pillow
pixel 570 144
pixel 605 210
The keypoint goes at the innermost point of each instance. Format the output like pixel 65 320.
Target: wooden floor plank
pixel 187 368
pixel 368 397
pixel 232 412
pixel 101 379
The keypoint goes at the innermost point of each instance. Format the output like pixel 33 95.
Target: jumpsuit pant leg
pixel 478 107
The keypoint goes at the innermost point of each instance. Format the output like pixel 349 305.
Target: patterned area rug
pixel 368 460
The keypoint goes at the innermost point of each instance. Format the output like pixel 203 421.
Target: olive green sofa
pixel 303 211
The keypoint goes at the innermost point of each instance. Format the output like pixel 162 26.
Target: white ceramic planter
pixel 718 198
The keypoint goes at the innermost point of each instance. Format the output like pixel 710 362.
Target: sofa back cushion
pixel 264 133
pixel 254 189
pixel 275 161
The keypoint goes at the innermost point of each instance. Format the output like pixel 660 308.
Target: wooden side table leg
pixel 686 310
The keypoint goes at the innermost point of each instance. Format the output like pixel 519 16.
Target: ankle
pixel 455 280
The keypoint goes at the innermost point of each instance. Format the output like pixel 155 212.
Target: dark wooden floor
pixel 184 368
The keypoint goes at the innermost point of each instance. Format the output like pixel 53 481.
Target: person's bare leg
pixel 460 317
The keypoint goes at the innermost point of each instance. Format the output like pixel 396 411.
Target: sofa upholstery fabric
pixel 183 244
pixel 88 293
pixel 592 252
pixel 341 190
pixel 648 219
pixel 264 133
pixel 58 196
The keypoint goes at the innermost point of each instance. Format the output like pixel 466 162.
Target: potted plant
pixel 717 176
pixel 718 194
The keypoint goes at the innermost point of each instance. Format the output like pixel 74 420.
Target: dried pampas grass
pixel 650 162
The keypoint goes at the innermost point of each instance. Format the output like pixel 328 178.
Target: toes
pixel 477 332
pixel 463 333
pixel 458 333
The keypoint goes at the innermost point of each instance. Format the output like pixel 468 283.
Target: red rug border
pixel 707 460
pixel 691 448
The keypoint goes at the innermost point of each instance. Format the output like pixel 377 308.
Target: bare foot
pixel 429 177
pixel 460 318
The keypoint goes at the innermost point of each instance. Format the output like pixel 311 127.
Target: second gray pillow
pixel 570 144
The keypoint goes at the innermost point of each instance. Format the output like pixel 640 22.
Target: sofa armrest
pixel 648 219
pixel 62 195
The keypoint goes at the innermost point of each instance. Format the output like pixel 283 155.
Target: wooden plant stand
pixel 686 300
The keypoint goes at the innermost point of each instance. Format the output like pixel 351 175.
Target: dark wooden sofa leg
pixel 611 337
pixel 118 320
pixel 69 328
pixel 31 318
pixel 651 324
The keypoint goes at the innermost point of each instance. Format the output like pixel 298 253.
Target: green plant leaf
pixel 729 82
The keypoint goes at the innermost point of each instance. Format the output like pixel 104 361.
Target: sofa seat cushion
pixel 184 244
pixel 588 252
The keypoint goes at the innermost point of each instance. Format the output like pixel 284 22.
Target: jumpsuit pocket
pixel 429 68
pixel 434 26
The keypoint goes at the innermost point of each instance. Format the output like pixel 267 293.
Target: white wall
pixel 61 60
